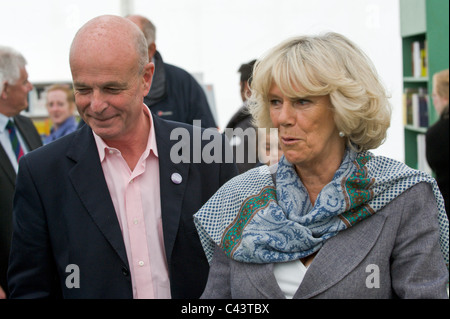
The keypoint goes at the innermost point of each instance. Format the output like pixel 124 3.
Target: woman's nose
pixel 286 115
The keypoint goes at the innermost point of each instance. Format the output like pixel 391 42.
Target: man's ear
pixel 151 50
pixel 4 94
pixel 147 76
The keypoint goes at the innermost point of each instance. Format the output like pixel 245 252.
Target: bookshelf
pixel 424 31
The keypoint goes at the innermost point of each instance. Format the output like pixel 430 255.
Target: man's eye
pixel 113 90
pixel 82 91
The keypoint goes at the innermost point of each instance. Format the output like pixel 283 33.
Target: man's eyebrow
pixel 103 85
pixel 79 84
pixel 115 84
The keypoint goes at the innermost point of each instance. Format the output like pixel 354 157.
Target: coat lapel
pixel 6 166
pixel 90 184
pixel 339 256
pixel 264 280
pixel 172 193
pixel 31 137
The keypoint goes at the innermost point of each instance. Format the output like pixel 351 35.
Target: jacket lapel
pixel 6 166
pixel 89 182
pixel 31 138
pixel 339 256
pixel 172 193
pixel 264 280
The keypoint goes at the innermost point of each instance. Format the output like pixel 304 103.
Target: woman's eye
pixel 274 102
pixel 302 102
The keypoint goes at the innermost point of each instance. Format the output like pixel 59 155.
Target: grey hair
pixel 11 62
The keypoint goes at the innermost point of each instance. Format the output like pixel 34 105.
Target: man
pixel 104 212
pixel 17 133
pixel 244 143
pixel 175 95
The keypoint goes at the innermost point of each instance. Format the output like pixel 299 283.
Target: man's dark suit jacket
pixel 63 215
pixel 7 185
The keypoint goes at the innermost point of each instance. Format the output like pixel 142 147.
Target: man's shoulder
pixel 61 146
pixel 24 120
pixel 177 74
pixel 166 125
pixel 176 69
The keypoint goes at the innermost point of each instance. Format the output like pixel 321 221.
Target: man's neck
pixel 134 143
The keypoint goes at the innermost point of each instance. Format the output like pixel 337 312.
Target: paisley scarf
pixel 252 220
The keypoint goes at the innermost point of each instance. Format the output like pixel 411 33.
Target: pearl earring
pixel 341 134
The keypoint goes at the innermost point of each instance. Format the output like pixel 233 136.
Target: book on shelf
pixel 422 163
pixel 419 59
pixel 415 107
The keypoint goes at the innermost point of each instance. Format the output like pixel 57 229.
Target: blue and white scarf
pixel 253 220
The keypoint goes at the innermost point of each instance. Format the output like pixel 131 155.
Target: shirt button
pixel 136 221
pixel 111 152
pixel 141 263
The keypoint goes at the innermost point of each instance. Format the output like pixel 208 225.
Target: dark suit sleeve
pixel 31 272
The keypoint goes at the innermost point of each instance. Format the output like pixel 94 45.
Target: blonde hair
pixel 441 80
pixel 328 64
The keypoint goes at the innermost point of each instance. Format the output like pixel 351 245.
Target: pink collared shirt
pixel 136 198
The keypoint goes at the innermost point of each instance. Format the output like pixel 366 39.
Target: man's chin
pixel 106 133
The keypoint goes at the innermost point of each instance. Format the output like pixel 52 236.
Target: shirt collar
pixel 151 140
pixel 3 121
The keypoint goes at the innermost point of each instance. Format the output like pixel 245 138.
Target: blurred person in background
pixel 61 108
pixel 175 94
pixel 244 143
pixel 437 136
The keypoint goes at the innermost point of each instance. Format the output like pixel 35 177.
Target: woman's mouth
pixel 289 140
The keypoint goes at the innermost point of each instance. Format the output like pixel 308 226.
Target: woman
pixel 61 107
pixel 330 220
pixel 437 137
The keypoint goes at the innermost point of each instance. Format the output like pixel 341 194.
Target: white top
pixel 289 276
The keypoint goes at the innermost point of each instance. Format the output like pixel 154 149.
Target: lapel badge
pixel 176 178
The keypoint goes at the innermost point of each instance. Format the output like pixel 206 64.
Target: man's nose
pixel 97 103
